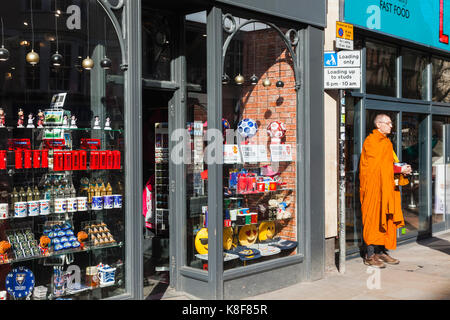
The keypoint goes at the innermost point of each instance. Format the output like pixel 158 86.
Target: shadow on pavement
pixel 435 244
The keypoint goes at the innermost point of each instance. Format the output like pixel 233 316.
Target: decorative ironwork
pixel 290 39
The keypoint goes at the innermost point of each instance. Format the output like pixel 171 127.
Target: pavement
pixel 423 274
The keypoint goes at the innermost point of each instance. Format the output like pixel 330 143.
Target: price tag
pixel 254 153
pixel 281 152
pixel 231 154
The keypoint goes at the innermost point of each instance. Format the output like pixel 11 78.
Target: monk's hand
pixel 406 169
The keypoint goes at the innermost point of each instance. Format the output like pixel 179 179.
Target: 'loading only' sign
pixel 342 70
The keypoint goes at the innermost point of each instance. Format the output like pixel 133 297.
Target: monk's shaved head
pixel 380 118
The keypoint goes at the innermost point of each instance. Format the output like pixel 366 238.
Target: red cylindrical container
pixel 27 159
pixel 58 161
pixel 83 160
pixel 116 159
pixel 19 159
pixel 2 159
pixel 103 160
pixel 36 158
pixel 44 158
pixel 109 159
pixel 94 160
pixel 75 160
pixel 67 160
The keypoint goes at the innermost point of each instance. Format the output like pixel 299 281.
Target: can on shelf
pixel 44 207
pixel 33 208
pixel 117 201
pixel 108 202
pixel 97 203
pixel 72 205
pixel 82 203
pixel 20 209
pixel 60 205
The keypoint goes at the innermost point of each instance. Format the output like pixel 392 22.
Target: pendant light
pixel 88 63
pixel 225 79
pixel 279 83
pixel 56 59
pixel 32 57
pixel 4 53
pixel 254 79
pixel 266 82
pixel 239 79
pixel 106 62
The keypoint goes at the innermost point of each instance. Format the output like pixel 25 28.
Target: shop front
pixel 181 145
pixel 404 76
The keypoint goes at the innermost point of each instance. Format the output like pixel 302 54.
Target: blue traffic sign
pixel 330 59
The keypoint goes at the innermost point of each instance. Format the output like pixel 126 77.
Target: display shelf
pixel 71 292
pixel 235 195
pixel 60 128
pixel 63 252
pixel 53 214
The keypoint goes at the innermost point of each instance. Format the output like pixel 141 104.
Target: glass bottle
pixel 91 193
pixel 96 191
pixel 67 191
pixel 119 188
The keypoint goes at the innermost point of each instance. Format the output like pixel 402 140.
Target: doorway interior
pixel 155 152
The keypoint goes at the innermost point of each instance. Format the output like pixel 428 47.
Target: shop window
pixel 196 125
pixel 157 42
pixel 381 75
pixel 414 75
pixel 440 81
pixel 259 121
pixel 58 174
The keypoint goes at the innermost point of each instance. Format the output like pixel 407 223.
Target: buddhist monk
pixel 379 195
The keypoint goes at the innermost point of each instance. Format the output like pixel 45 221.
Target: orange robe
pixel 380 199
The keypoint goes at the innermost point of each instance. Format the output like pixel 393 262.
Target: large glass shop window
pixel 61 153
pixel 260 135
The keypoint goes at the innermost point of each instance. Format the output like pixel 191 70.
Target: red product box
pixel 19 159
pixel 27 159
pixel 67 160
pixel 75 160
pixel 109 159
pixel 116 159
pixel 2 159
pixel 55 143
pixel 44 158
pixel 18 144
pixel 58 161
pixel 36 158
pixel 226 223
pixel 90 144
pixel 103 160
pixel 94 162
pixel 83 160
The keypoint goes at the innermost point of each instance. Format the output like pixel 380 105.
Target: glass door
pixel 440 171
pixel 414 195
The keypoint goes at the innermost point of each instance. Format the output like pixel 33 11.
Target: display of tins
pixel 23 243
pixel 117 201
pixel 20 209
pixel 4 211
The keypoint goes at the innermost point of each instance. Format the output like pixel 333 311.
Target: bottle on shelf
pixel 97 190
pixel 73 191
pixel 67 191
pixel 102 190
pixel 91 193
pixel 119 188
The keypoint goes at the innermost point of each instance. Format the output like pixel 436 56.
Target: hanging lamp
pixel 254 79
pixel 88 63
pixel 239 79
pixel 56 59
pixel 32 57
pixel 4 53
pixel 106 62
pixel 279 83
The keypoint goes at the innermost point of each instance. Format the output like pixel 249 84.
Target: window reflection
pixel 414 75
pixel 441 80
pixel 380 69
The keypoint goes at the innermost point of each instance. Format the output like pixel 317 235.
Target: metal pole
pixel 342 237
